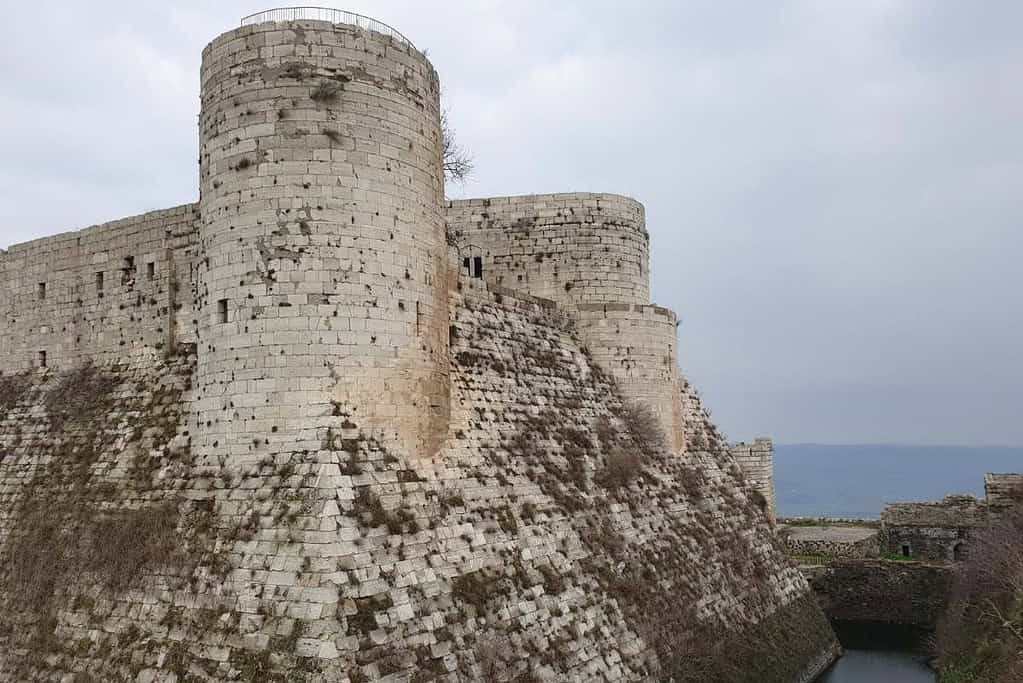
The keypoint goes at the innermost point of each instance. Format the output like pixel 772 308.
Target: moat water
pixel 877 653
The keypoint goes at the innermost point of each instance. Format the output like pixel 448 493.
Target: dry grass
pixel 325 91
pixel 980 637
pixel 622 467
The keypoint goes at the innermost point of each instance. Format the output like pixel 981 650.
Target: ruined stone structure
pixel 942 530
pixel 879 592
pixel 325 425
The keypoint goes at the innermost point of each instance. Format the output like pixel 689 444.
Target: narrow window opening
pixel 42 359
pixel 42 291
pixel 905 551
pixel 222 310
pixel 465 266
pixel 477 267
pixel 128 273
pixel 151 271
pixel 419 317
pixel 99 283
pixel 958 552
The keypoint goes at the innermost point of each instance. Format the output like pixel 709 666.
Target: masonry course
pixel 296 431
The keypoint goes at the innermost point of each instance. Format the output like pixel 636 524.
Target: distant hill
pixel 815 480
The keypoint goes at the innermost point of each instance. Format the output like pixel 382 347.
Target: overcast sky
pixel 834 190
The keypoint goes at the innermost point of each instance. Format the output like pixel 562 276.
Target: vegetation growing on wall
pixel 980 638
pixel 89 518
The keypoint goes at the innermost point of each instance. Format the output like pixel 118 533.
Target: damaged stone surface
pixel 286 434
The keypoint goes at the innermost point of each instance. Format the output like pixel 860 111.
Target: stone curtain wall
pixel 357 561
pixel 572 248
pixel 638 346
pixel 757 461
pixel 52 301
pixel 867 547
pixel 589 253
pixel 1003 489
pixel 907 593
pixel 241 486
pixel 324 291
pixel 933 531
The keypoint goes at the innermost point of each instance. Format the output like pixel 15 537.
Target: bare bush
pixel 325 91
pixel 980 637
pixel 644 426
pixel 622 467
pixel 458 165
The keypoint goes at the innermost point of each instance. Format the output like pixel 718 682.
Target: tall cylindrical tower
pixel 323 289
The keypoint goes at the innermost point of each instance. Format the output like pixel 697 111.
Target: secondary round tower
pixel 322 293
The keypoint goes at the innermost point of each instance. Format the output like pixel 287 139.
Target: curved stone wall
pixel 324 287
pixel 638 346
pixel 572 248
pixel 757 461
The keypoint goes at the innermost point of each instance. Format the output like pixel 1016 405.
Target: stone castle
pixel 366 433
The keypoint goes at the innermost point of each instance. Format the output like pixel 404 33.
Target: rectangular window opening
pixel 222 310
pixel 42 291
pixel 99 283
pixel 151 271
pixel 905 551
pixel 465 266
pixel 477 267
pixel 42 359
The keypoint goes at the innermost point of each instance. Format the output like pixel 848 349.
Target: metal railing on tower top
pixel 334 16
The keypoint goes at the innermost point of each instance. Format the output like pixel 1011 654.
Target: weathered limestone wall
pixel 933 531
pixel 52 300
pixel 527 547
pixel 757 461
pixel 1003 489
pixel 908 593
pixel 831 541
pixel 638 346
pixel 572 248
pixel 357 465
pixel 321 191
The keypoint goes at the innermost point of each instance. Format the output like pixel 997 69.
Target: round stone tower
pixel 322 294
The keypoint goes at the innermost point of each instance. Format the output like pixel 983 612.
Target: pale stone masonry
pixel 757 461
pixel 946 530
pixel 324 425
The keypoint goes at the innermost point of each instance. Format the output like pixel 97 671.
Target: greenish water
pixel 874 666
pixel 880 653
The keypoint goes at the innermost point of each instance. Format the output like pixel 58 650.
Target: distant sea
pixel 857 481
